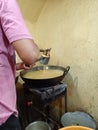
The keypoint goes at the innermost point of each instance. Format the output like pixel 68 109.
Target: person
pixel 14 36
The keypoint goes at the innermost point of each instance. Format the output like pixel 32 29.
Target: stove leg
pixel 66 100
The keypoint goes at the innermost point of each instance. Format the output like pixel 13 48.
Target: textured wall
pixel 70 28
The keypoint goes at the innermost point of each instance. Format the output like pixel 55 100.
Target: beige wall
pixel 70 28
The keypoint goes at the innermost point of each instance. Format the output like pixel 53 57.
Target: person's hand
pixel 27 67
pixel 22 65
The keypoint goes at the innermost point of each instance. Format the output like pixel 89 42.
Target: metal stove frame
pixel 43 109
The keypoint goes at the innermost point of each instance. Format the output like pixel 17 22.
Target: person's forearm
pixel 27 50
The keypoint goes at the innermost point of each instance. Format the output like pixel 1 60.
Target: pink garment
pixel 12 28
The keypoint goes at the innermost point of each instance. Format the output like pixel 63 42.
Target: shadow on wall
pixel 72 84
pixel 75 102
pixel 31 9
pixel 72 93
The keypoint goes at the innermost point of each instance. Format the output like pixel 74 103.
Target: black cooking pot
pixel 44 82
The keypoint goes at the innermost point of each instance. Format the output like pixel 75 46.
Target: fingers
pixel 27 67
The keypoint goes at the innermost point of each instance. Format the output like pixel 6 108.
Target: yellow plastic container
pixel 75 128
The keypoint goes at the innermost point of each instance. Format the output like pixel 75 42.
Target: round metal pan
pixel 44 82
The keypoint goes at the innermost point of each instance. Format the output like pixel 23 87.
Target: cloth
pixel 12 27
pixel 8 125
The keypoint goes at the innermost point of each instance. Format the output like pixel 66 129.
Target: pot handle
pixel 66 70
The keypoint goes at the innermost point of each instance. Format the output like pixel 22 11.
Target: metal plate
pixel 78 118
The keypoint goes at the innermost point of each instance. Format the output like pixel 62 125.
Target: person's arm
pixel 15 30
pixel 27 50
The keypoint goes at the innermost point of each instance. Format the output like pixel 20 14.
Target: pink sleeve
pixel 12 21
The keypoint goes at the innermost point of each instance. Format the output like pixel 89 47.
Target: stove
pixel 44 95
pixel 38 99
